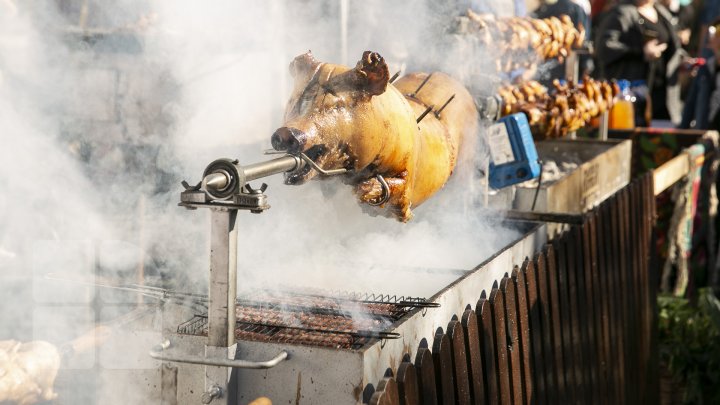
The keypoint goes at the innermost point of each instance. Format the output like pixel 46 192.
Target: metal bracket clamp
pixel 489 108
pixel 160 352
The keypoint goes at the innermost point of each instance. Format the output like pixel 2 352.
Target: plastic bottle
pixel 622 114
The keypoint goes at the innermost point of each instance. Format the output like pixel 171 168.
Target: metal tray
pixel 603 168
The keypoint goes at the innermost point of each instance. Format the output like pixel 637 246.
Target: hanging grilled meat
pixel 523 41
pixel 399 141
pixel 567 108
pixel 27 372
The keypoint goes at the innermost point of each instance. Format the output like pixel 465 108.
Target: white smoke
pixel 98 131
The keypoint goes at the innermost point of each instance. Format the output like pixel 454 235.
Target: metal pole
pixel 223 278
pixel 572 67
pixel 572 73
pixel 344 14
pixel 221 300
pixel 604 126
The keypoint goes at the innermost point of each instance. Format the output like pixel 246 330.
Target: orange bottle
pixel 622 114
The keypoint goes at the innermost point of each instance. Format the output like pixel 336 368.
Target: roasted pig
pixel 398 141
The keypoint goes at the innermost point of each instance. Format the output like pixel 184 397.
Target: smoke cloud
pixel 106 106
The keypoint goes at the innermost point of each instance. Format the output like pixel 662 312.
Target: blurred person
pixel 709 11
pixel 556 8
pixel 599 9
pixel 713 62
pixel 683 13
pixel 702 107
pixel 637 42
pixel 586 6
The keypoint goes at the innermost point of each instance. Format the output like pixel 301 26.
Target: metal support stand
pixel 221 303
pixel 225 190
pixel 223 277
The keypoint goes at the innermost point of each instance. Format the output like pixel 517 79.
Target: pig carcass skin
pixel 27 372
pixel 354 118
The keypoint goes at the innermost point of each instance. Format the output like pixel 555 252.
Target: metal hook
pixel 320 169
pixel 307 160
pixel 385 191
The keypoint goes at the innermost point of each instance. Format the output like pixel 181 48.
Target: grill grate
pixel 341 320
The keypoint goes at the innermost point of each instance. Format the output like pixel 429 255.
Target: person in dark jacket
pixel 638 42
pixel 713 65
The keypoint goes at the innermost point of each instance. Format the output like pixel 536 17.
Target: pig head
pixel 352 118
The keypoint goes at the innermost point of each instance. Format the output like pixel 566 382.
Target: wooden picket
pixel 574 324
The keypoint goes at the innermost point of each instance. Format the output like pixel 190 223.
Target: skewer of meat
pixel 28 370
pixel 565 108
pixel 524 41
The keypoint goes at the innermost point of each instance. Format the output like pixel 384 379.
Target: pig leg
pixel 371 192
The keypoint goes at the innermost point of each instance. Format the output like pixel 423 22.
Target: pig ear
pixel 303 64
pixel 374 73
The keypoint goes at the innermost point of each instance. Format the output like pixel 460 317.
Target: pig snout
pixel 288 139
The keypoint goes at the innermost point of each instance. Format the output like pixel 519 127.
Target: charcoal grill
pixel 332 358
pixel 296 345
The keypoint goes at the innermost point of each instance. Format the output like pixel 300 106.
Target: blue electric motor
pixel 514 158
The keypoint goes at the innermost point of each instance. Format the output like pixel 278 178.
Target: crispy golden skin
pixel 354 119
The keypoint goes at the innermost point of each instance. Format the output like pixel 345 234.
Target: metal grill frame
pixel 282 302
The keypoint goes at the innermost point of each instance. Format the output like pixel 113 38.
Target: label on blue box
pixel 499 142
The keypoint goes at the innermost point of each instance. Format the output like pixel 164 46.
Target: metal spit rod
pixel 224 178
pixel 279 165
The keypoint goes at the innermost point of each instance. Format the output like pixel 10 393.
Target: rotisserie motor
pixel 399 141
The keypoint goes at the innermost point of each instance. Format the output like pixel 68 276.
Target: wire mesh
pixel 338 320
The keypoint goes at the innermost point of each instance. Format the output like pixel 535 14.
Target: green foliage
pixel 690 345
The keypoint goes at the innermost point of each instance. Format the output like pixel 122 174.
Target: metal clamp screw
pixel 214 392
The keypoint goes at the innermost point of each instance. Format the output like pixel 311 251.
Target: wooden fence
pixel 573 325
